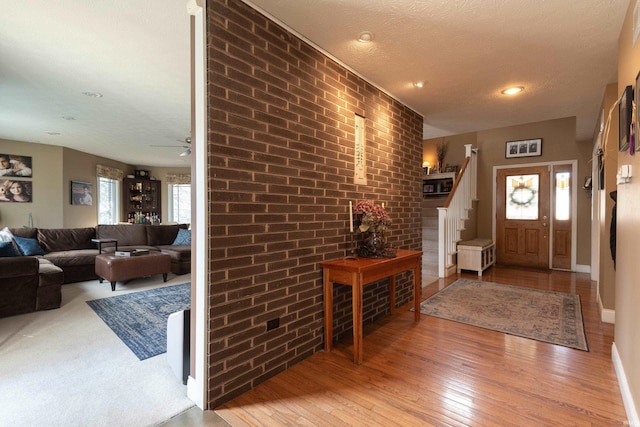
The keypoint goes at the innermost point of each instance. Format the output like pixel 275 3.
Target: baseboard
pixel 606 314
pixel 581 268
pixel 627 399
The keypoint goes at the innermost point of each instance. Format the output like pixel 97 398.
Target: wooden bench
pixel 476 255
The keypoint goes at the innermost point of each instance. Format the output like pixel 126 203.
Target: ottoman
pixel 113 268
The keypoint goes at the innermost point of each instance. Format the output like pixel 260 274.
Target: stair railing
pixel 451 217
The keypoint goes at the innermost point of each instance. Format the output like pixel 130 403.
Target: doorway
pixel 534 216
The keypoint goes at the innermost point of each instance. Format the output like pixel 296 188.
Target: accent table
pixel 101 242
pixel 359 272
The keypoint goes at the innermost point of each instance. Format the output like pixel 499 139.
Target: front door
pixel 522 216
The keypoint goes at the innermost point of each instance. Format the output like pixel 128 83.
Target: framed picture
pixel 524 148
pixel 15 190
pixel 14 165
pixel 637 123
pixel 81 193
pixel 452 168
pixel 624 117
pixel 428 188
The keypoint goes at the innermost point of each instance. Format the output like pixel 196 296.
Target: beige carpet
pixel 65 367
pixel 552 317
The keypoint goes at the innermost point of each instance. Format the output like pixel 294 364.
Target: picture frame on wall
pixel 637 123
pixel 15 165
pixel 16 191
pixel 524 148
pixel 81 193
pixel 625 107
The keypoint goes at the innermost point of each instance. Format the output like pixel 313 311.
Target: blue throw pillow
pixel 183 238
pixel 8 250
pixel 28 246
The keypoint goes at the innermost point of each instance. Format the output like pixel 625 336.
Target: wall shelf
pixel 437 184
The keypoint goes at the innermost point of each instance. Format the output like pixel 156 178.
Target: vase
pixel 373 245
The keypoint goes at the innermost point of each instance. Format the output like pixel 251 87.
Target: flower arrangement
pixel 373 218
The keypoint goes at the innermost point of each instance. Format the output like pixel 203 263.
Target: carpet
pixel 139 319
pixel 552 317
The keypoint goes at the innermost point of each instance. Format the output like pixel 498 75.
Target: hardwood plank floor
pixel 442 373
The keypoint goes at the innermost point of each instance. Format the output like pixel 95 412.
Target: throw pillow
pixel 8 250
pixel 183 237
pixel 28 246
pixel 6 235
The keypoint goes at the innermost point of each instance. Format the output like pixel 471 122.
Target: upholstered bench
pixel 119 268
pixel 476 255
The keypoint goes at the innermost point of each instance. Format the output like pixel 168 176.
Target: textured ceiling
pixel 136 53
pixel 564 52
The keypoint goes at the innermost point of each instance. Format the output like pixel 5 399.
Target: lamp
pixel 186 152
pixel 427 167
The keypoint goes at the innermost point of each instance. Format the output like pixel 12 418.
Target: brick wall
pixel 281 154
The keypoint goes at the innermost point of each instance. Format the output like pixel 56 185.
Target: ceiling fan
pixel 186 144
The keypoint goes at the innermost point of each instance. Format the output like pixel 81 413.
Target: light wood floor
pixel 443 373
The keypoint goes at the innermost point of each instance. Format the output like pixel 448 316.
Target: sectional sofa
pixel 33 282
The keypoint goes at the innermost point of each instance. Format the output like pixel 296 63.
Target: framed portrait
pixel 16 191
pixel 524 148
pixel 15 165
pixel 81 193
pixel 624 117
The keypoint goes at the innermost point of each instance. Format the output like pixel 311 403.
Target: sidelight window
pixel 563 196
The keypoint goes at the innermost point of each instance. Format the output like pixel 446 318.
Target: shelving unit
pixel 437 184
pixel 142 200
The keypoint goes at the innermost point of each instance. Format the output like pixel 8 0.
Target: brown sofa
pixel 30 283
pixel 27 284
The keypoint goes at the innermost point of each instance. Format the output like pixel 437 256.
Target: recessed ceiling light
pixel 512 90
pixel 419 83
pixel 365 37
pixel 93 94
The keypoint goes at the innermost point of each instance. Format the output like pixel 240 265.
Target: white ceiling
pixel 564 52
pixel 136 53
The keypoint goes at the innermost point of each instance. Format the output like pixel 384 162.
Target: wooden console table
pixel 359 272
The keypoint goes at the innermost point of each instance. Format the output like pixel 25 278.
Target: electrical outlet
pixel 273 323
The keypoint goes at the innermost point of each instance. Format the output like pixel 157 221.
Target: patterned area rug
pixel 552 317
pixel 139 319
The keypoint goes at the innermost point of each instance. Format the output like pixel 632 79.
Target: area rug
pixel 139 319
pixel 552 317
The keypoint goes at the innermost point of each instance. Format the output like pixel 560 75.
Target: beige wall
pixel 558 143
pixel 606 273
pixel 47 186
pixel 627 339
pixel 53 170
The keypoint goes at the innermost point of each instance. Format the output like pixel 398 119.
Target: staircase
pixel 456 213
pixel 430 234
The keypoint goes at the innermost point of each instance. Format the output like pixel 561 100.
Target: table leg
pixel 417 285
pixel 392 293
pixel 356 297
pixel 328 310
